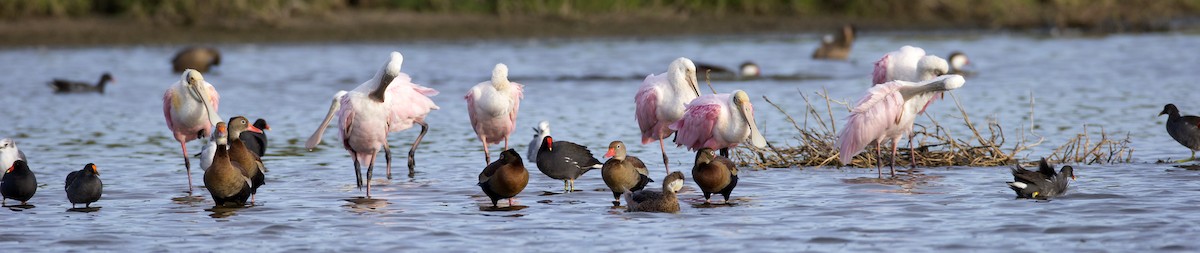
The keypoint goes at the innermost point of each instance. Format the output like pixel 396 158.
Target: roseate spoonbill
pixel 566 161
pixel 19 183
pixel 84 186
pixel 714 174
pixel 251 164
pixel 9 153
pixel 913 65
pixel 67 86
pixel 1042 184
pixel 226 180
pixel 623 173
pixel 836 46
pixel 718 121
pixel 958 60
pixel 663 201
pixel 492 106
pixel 389 102
pixel 198 58
pixel 504 178
pixel 887 112
pixel 661 100
pixel 190 108
pixel 1184 129
pixel 539 132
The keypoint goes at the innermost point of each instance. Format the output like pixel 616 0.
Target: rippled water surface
pixel 585 89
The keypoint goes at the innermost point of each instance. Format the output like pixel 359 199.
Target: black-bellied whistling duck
pixel 622 172
pixel 663 201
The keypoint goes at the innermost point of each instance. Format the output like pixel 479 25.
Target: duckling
pixel 714 174
pixel 657 201
pixel 84 186
pixel 504 178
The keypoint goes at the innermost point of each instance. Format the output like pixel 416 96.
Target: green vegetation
pixel 1106 14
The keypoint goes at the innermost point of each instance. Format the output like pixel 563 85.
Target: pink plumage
pixel 870 119
pixel 187 116
pixel 492 107
pixel 718 121
pixel 652 127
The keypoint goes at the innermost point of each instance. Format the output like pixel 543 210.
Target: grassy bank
pixel 123 21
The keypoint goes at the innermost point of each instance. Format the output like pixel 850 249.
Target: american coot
pixel 66 86
pixel 887 113
pixel 492 107
pixel 663 201
pixel 389 102
pixel 1041 184
pixel 701 125
pixel 837 46
pixel 504 178
pixel 84 186
pixel 566 161
pixel 225 180
pixel 198 58
pixel 190 108
pixel 661 99
pixel 622 173
pixel 1184 129
pixel 714 174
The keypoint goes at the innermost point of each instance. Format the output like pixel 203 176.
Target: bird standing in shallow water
pixel 504 178
pixel 84 186
pixel 9 153
pixel 1184 129
pixel 566 161
pixel 493 106
pixel 18 183
pixel 225 180
pixel 661 101
pixel 190 108
pixel 540 132
pixel 887 113
pixel 66 86
pixel 623 173
pixel 718 121
pixel 663 201
pixel 714 174
pixel 251 165
pixel 389 102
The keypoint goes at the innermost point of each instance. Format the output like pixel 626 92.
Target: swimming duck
pixel 714 174
pixel 198 58
pixel 566 161
pixel 1041 184
pixel 1184 129
pixel 747 70
pixel 19 183
pixel 657 201
pixel 836 47
pixel 958 60
pixel 225 180
pixel 623 173
pixel 504 178
pixel 67 86
pixel 84 186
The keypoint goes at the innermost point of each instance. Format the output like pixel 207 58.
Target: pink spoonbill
pixel 887 112
pixel 661 101
pixel 718 121
pixel 190 108
pixel 389 102
pixel 913 65
pixel 493 106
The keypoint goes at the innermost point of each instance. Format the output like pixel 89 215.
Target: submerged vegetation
pixel 986 145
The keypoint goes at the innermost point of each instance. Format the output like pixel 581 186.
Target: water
pixel 585 89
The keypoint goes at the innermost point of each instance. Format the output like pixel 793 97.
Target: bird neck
pixel 381 89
